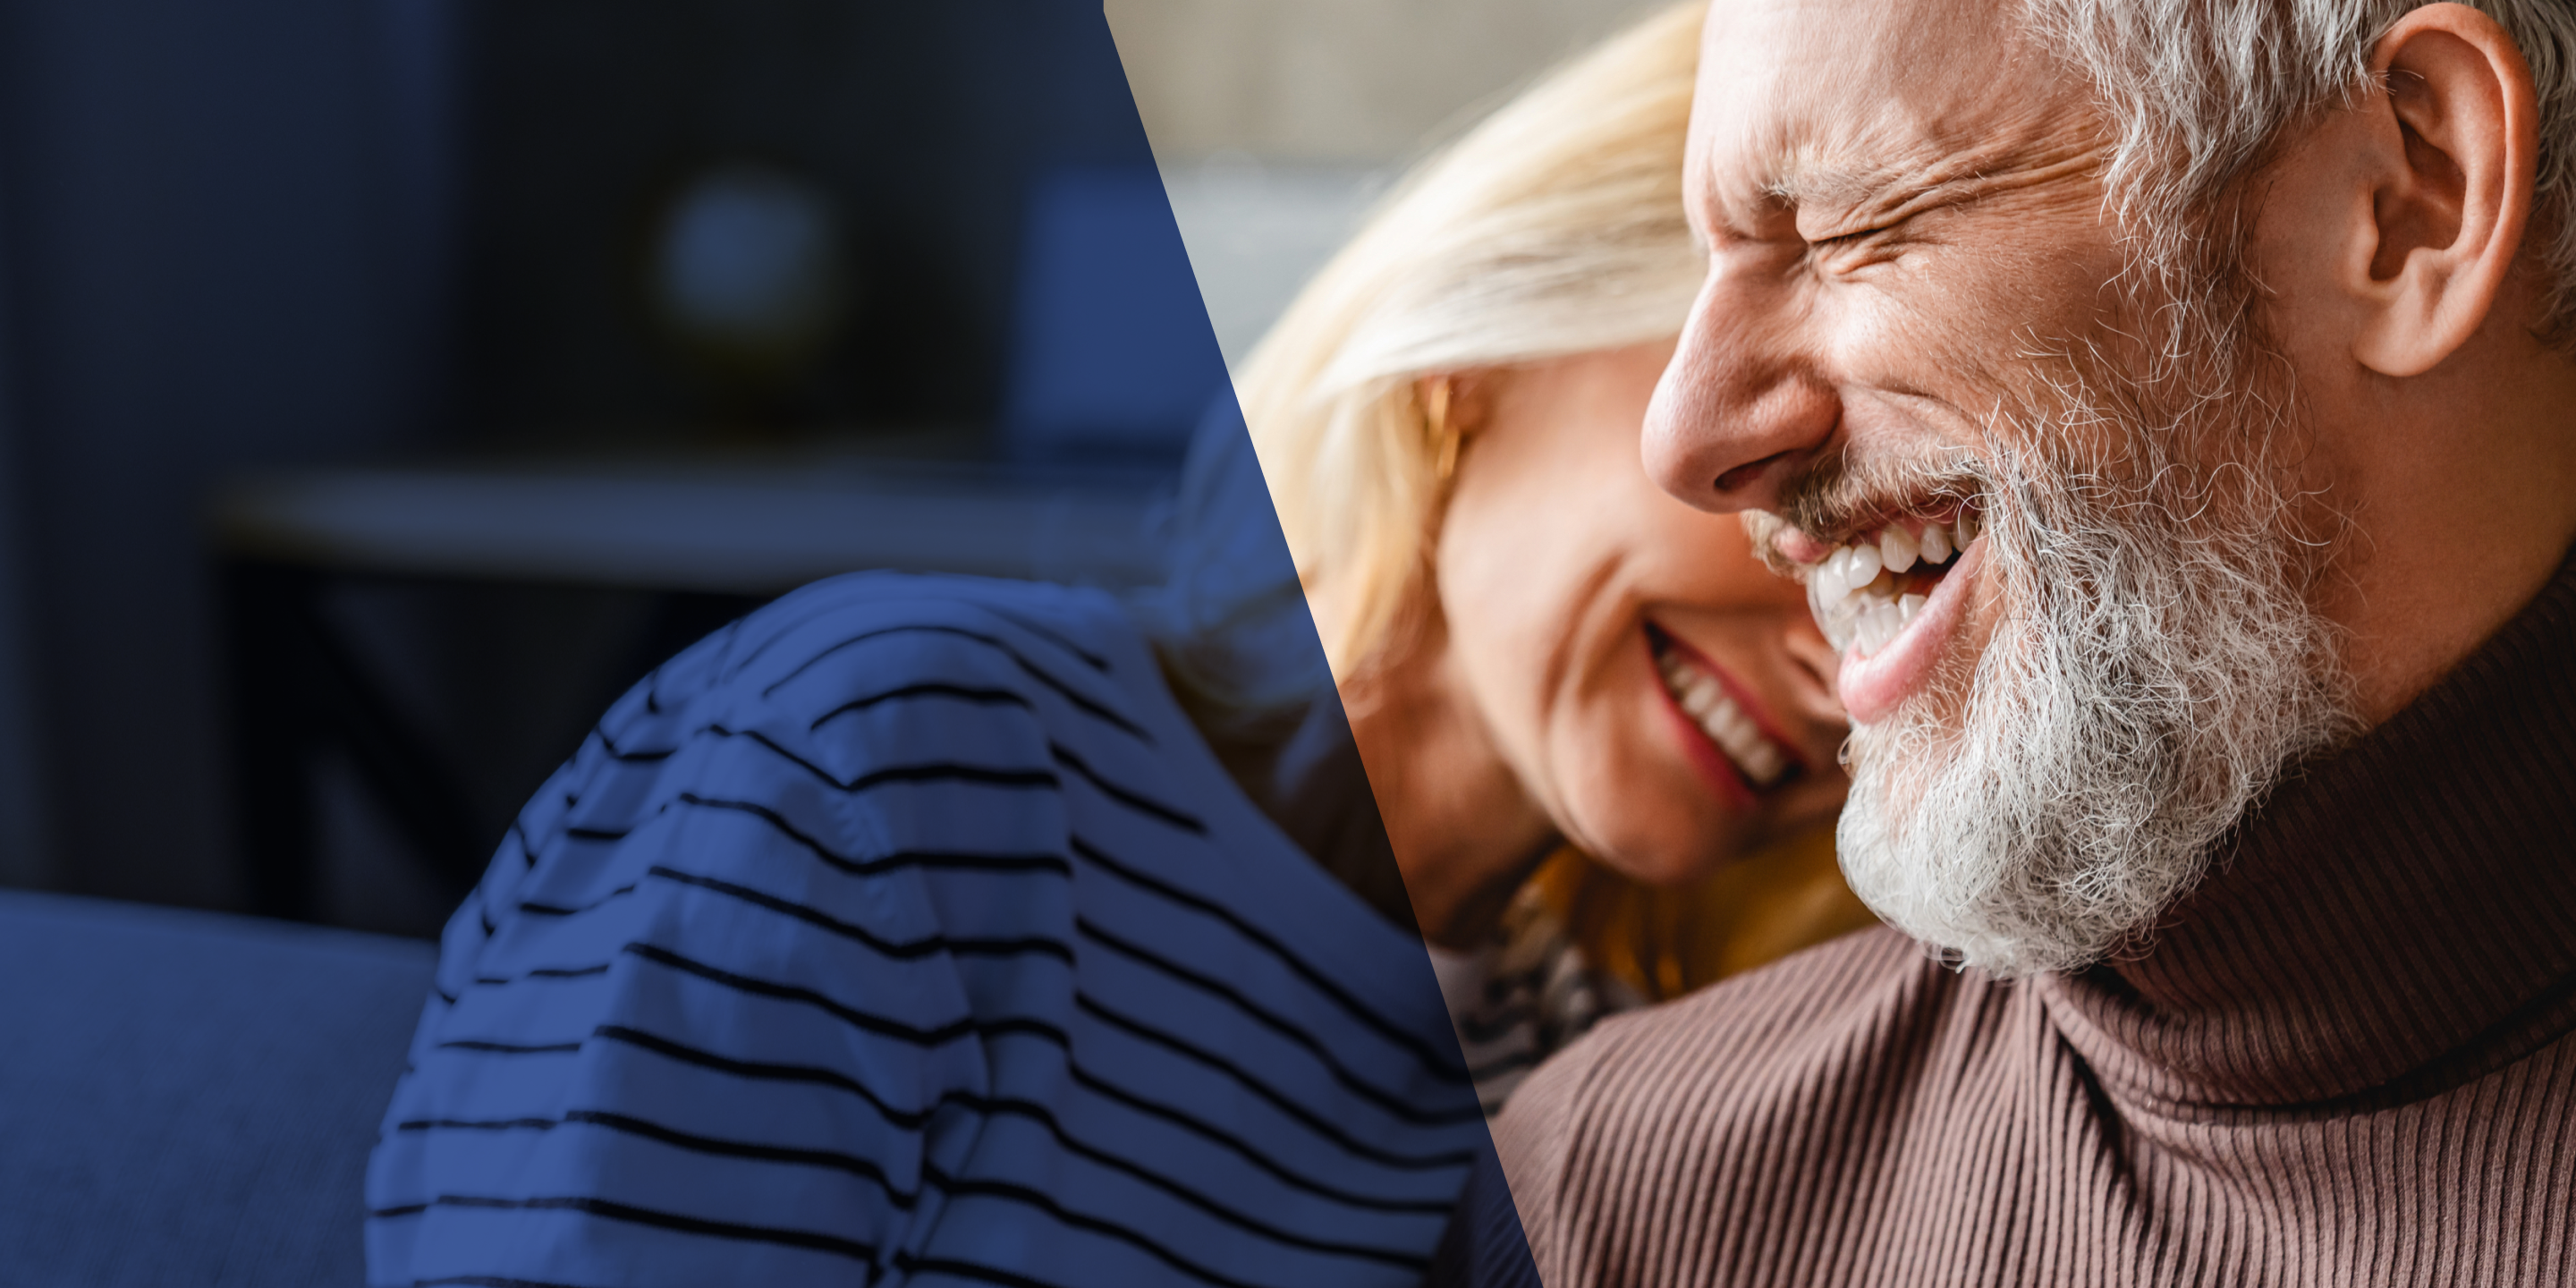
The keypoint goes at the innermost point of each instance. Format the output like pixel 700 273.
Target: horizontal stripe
pixel 901 1119
pixel 901 951
pixel 558 910
pixel 1087 705
pixel 1312 1121
pixel 1050 635
pixel 994 775
pixel 913 1120
pixel 509 1048
pixel 1323 1053
pixel 1441 1062
pixel 987 775
pixel 915 1267
pixel 788 630
pixel 926 689
pixel 906 1200
pixel 630 1125
pixel 675 1221
pixel 648 755
pixel 952 860
pixel 1160 1153
pixel 1132 799
pixel 1244 1150
pixel 1047 1203
pixel 866 1021
pixel 542 972
pixel 527 852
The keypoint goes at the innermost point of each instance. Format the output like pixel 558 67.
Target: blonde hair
pixel 1552 228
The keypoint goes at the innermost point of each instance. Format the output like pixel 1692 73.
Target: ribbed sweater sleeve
pixel 1530 1137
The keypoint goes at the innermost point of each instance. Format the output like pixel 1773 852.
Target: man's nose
pixel 1737 413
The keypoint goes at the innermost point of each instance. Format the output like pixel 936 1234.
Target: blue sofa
pixel 188 1098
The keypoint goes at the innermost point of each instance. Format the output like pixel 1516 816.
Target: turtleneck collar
pixel 2397 917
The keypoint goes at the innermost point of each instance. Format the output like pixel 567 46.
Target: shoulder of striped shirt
pixel 1079 635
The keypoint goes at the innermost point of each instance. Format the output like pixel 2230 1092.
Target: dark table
pixel 719 534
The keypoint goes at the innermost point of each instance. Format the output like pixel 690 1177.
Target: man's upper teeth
pixel 1735 733
pixel 1854 592
pixel 1897 550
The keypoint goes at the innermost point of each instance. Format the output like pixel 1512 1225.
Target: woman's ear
pixel 2458 136
pixel 1465 398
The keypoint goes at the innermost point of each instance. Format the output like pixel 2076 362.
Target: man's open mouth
pixel 1703 696
pixel 1867 591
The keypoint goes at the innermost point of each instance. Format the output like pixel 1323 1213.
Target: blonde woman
pixel 1540 652
pixel 938 930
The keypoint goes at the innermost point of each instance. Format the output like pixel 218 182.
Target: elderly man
pixel 2169 404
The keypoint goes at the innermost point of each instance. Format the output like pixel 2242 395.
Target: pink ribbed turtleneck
pixel 2349 1059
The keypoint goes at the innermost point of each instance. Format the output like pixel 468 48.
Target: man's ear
pixel 2459 125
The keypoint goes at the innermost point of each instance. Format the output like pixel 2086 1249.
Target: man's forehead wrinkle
pixel 1900 165
pixel 1857 111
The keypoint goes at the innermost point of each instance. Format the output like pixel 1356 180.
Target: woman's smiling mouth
pixel 1711 701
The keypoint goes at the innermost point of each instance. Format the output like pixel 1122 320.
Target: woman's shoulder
pixel 879 624
pixel 857 718
pixel 839 671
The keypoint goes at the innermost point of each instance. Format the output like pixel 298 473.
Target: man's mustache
pixel 1842 495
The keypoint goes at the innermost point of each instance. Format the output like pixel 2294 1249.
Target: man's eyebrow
pixel 1902 191
pixel 1799 182
pixel 1829 185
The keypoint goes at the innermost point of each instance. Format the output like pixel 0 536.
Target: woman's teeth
pixel 1762 761
pixel 1865 592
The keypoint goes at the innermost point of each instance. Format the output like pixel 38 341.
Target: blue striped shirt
pixel 906 932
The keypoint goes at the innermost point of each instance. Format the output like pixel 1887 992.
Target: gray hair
pixel 2197 91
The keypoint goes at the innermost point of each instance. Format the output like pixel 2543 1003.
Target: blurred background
pixel 386 384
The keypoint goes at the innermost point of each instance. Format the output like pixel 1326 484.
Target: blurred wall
pixel 922 122
pixel 1278 122
pixel 221 248
pixel 304 231
pixel 1337 81
pixel 26 841
pixel 287 232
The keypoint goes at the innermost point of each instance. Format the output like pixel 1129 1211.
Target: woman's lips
pixel 1724 780
pixel 1872 687
pixel 1719 716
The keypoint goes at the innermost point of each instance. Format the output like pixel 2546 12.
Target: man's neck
pixel 2390 921
pixel 2460 491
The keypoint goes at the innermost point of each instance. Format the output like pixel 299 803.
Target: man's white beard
pixel 2153 670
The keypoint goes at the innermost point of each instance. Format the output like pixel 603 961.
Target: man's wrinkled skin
pixel 2249 476
pixel 1902 204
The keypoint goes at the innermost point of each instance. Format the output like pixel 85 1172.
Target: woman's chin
pixel 1678 848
